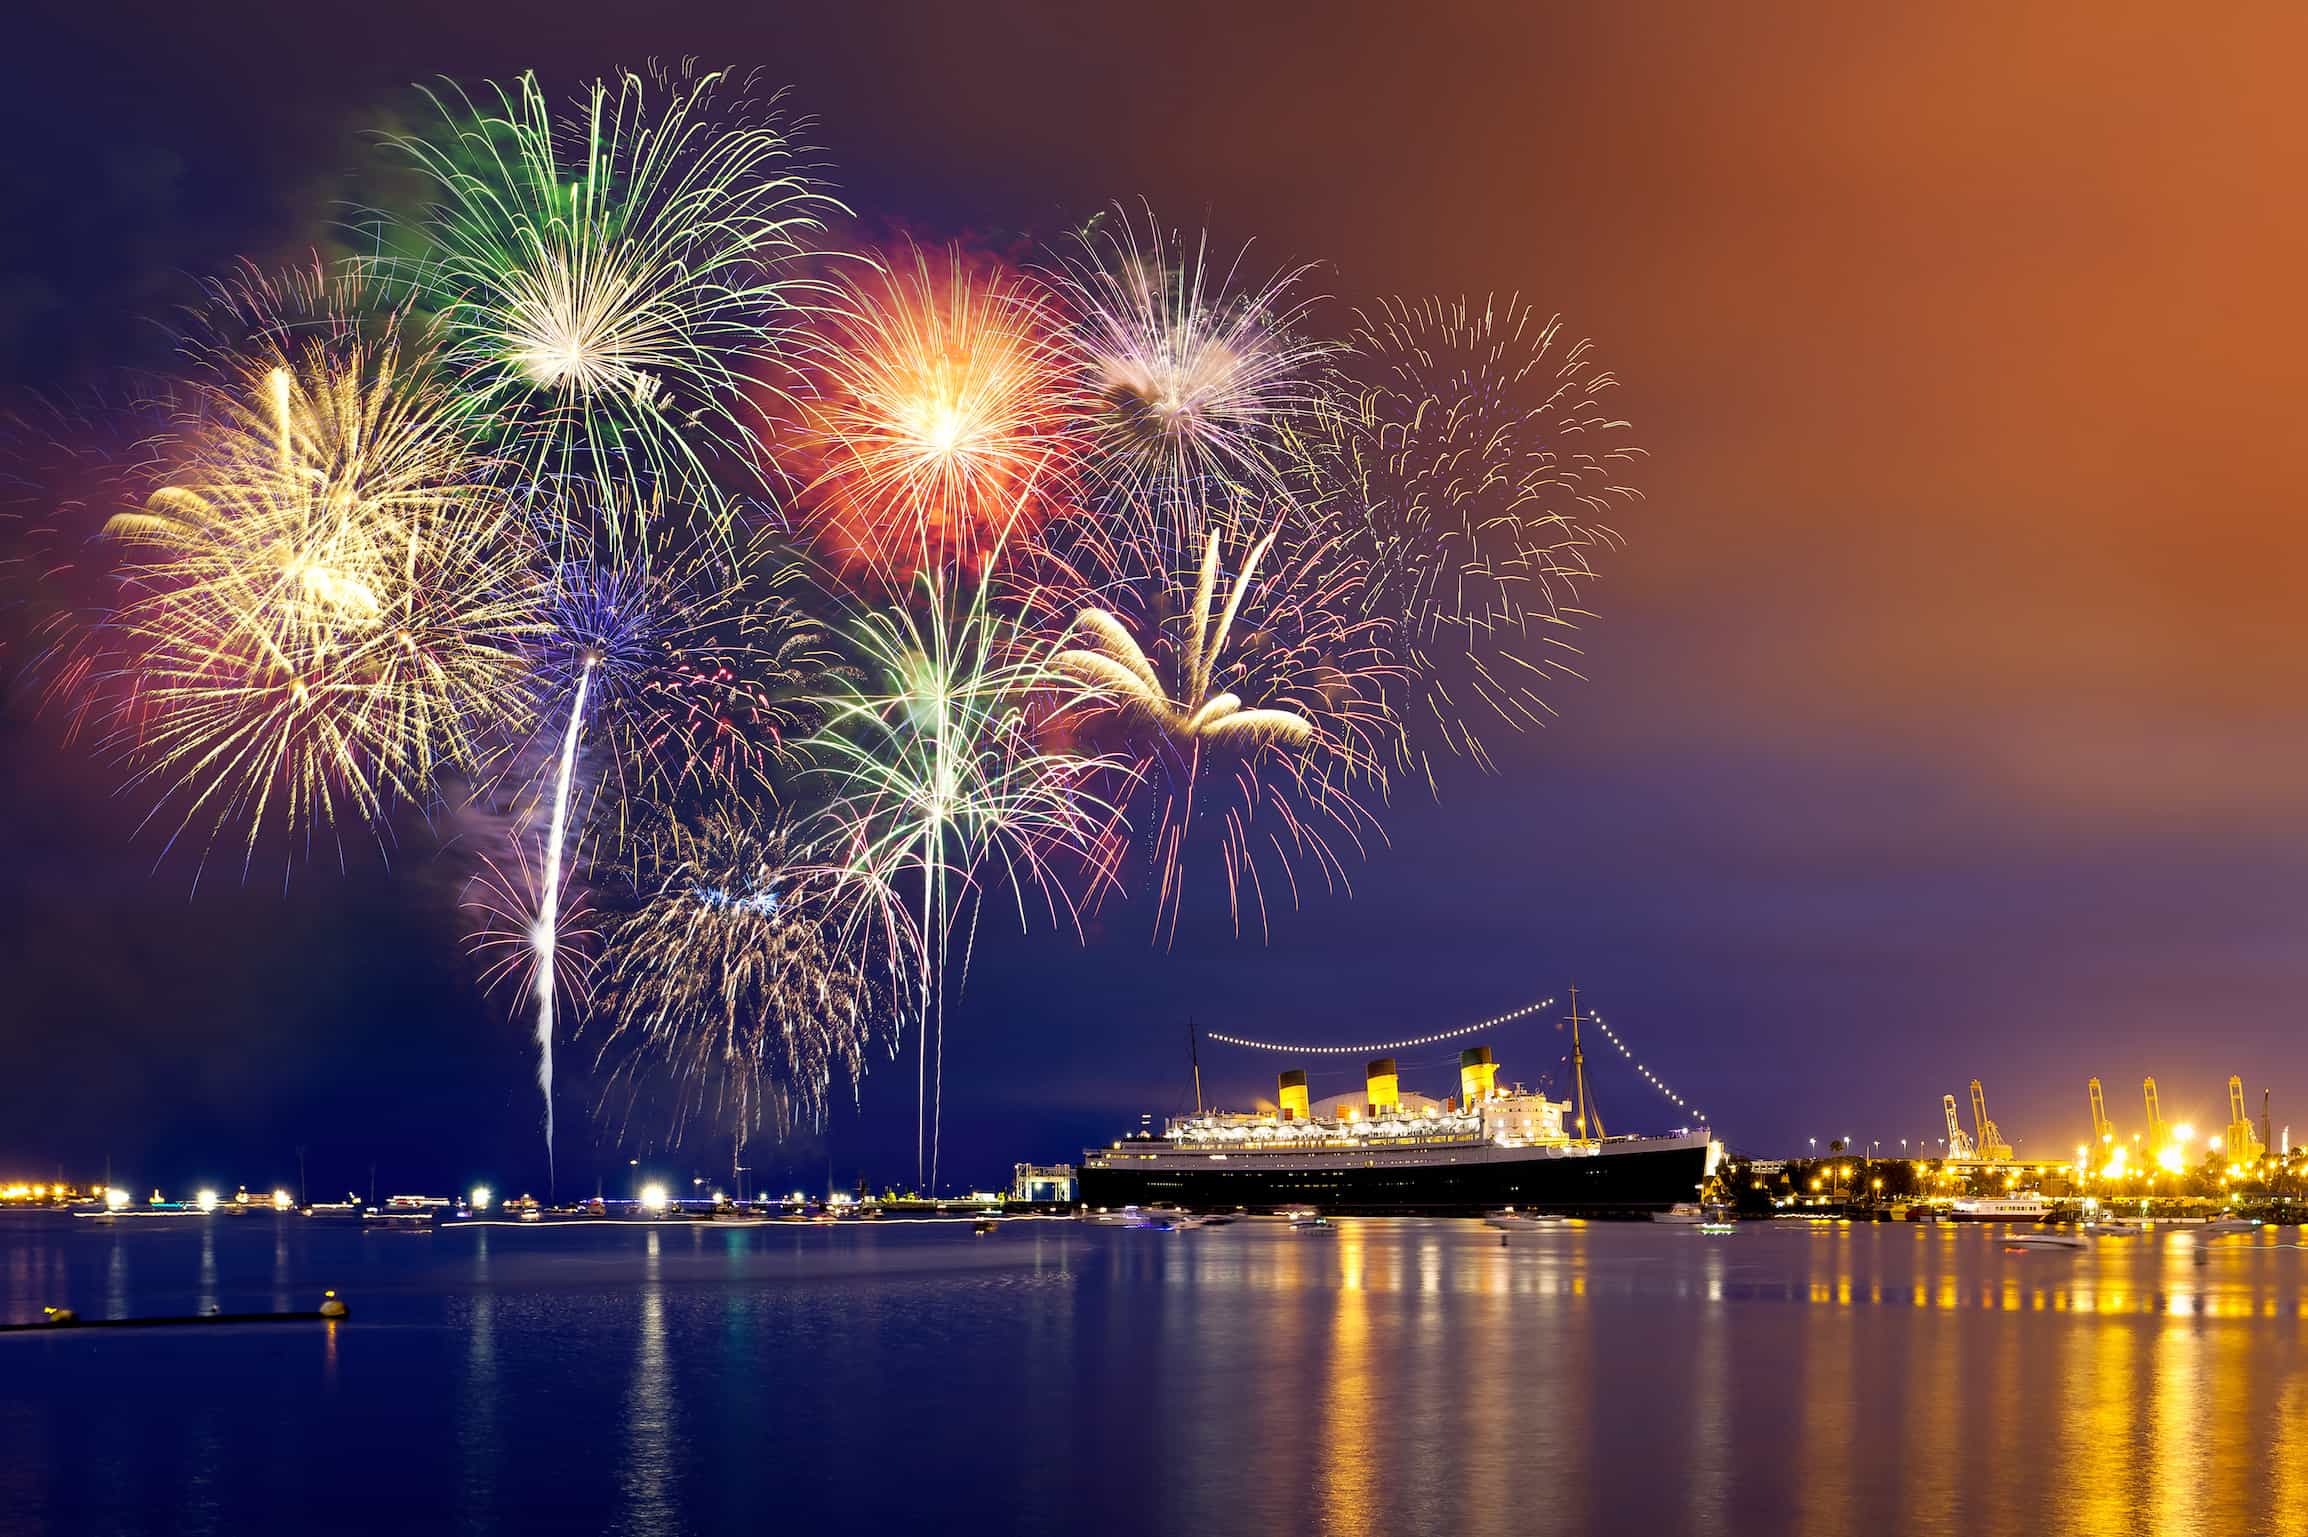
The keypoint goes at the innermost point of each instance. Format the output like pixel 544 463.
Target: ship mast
pixel 1579 1071
pixel 1194 1056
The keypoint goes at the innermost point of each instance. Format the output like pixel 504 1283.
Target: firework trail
pixel 549 915
pixel 1190 373
pixel 938 782
pixel 328 599
pixel 739 977
pixel 1469 464
pixel 938 424
pixel 616 280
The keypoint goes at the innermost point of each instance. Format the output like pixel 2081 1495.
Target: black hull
pixel 1613 1184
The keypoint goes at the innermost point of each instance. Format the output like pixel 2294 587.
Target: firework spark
pixel 940 418
pixel 1193 374
pixel 738 979
pixel 328 599
pixel 1472 469
pixel 614 281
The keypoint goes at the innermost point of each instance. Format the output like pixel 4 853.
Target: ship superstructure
pixel 1385 1150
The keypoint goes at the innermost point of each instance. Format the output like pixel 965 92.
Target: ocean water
pixel 1390 1376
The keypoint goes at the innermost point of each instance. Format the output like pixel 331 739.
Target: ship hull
pixel 1620 1180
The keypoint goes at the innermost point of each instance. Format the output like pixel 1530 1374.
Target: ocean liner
pixel 1385 1151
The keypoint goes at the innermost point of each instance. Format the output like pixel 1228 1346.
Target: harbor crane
pixel 2156 1133
pixel 2102 1133
pixel 1958 1143
pixel 1985 1137
pixel 2245 1141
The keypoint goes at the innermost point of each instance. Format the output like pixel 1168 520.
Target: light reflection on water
pixel 1369 1379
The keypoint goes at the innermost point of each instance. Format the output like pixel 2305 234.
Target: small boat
pixel 1159 1220
pixel 400 1219
pixel 1515 1220
pixel 2220 1227
pixel 1311 1222
pixel 2114 1227
pixel 2044 1241
pixel 1683 1212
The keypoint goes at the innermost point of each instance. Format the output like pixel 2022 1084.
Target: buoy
pixel 332 1306
pixel 61 1315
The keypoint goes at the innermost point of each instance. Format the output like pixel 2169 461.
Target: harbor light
pixel 479 1199
pixel 653 1198
pixel 283 1201
pixel 206 1200
pixel 116 1200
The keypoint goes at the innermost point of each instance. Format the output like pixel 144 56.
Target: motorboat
pixel 2044 1241
pixel 1515 1221
pixel 1153 1219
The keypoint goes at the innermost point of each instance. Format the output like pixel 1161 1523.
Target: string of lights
pixel 1648 1076
pixel 1492 1023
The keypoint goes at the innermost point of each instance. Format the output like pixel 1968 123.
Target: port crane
pixel 1986 1138
pixel 1958 1142
pixel 2102 1132
pixel 2245 1142
pixel 2156 1133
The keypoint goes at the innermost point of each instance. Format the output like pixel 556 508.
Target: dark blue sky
pixel 1945 713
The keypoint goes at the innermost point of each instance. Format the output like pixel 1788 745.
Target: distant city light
pixel 206 1200
pixel 283 1201
pixel 479 1199
pixel 115 1200
pixel 653 1198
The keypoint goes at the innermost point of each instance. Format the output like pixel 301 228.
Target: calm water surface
pixel 1057 1378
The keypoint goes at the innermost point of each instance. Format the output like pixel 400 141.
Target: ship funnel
pixel 1478 1075
pixel 1384 1093
pixel 1290 1094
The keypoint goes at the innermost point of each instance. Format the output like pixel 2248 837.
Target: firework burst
pixel 1472 469
pixel 940 419
pixel 1255 700
pixel 704 670
pixel 67 466
pixel 737 979
pixel 328 598
pixel 504 901
pixel 613 281
pixel 940 786
pixel 1192 373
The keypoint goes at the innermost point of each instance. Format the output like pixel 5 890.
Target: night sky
pixel 1944 718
